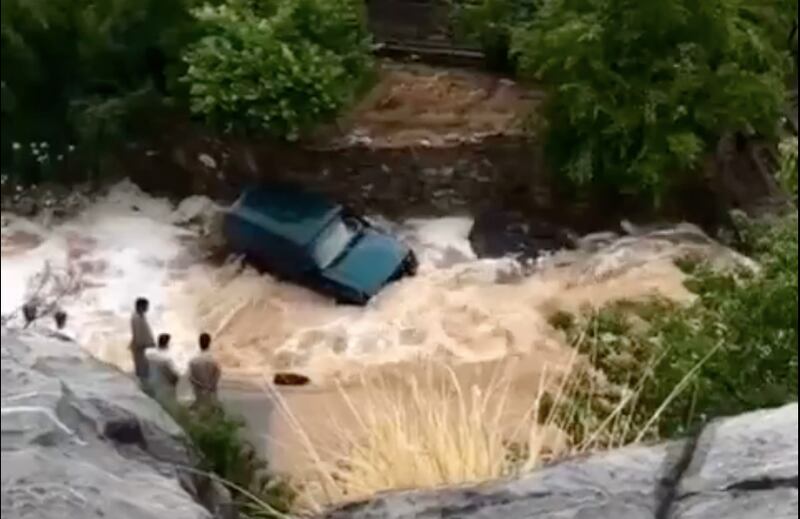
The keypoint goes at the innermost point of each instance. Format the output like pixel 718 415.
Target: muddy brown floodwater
pixel 320 416
pixel 459 310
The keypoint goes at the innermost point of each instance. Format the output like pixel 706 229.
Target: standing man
pixel 60 331
pixel 141 338
pixel 204 374
pixel 60 318
pixel 162 373
pixel 29 312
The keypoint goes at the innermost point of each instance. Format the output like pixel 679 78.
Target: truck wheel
pixel 353 298
pixel 411 265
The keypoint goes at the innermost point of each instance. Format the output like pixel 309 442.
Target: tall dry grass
pixel 429 428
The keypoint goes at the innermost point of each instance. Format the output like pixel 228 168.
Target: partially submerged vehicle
pixel 303 237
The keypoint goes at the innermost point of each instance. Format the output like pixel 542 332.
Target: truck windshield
pixel 333 241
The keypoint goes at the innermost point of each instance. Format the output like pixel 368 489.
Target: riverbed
pixel 460 310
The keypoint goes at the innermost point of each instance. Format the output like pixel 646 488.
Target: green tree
pixel 489 24
pixel 74 70
pixel 640 89
pixel 276 68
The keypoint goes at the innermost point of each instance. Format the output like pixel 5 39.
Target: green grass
pixel 217 440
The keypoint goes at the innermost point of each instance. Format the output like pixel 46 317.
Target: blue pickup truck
pixel 301 236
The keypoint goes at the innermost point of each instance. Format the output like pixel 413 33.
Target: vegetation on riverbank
pixel 217 440
pixel 787 166
pixel 733 350
pixel 490 24
pixel 640 92
pixel 276 67
pixel 78 76
pixel 81 78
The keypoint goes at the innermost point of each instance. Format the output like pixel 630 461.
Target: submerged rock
pixel 499 233
pixel 80 440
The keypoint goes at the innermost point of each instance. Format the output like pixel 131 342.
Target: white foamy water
pixel 128 244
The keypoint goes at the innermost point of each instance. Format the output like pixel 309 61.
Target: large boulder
pixel 80 440
pixel 743 468
pixel 738 468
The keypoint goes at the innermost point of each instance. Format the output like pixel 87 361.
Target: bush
pixel 489 24
pixel 278 68
pixel 73 73
pixel 217 439
pixel 640 90
pixel 733 350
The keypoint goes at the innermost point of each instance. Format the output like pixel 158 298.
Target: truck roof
pixel 292 213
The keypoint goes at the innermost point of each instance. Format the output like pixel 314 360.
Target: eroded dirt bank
pixel 433 142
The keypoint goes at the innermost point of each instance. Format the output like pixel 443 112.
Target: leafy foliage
pixel 639 89
pixel 733 350
pixel 489 23
pixel 787 168
pixel 217 439
pixel 276 67
pixel 73 72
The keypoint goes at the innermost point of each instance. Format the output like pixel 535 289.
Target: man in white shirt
pixel 204 374
pixel 141 339
pixel 162 373
pixel 29 312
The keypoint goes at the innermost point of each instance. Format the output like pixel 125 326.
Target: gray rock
pixel 80 440
pixel 62 483
pixel 624 484
pixel 743 467
pixel 778 503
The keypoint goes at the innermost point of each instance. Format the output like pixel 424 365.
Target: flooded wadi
pixel 459 309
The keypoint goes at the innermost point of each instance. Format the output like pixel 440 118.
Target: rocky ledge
pixel 737 468
pixel 80 440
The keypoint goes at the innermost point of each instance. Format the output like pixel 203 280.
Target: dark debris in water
pixel 290 379
pixel 500 233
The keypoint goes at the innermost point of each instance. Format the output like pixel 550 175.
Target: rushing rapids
pixel 459 307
